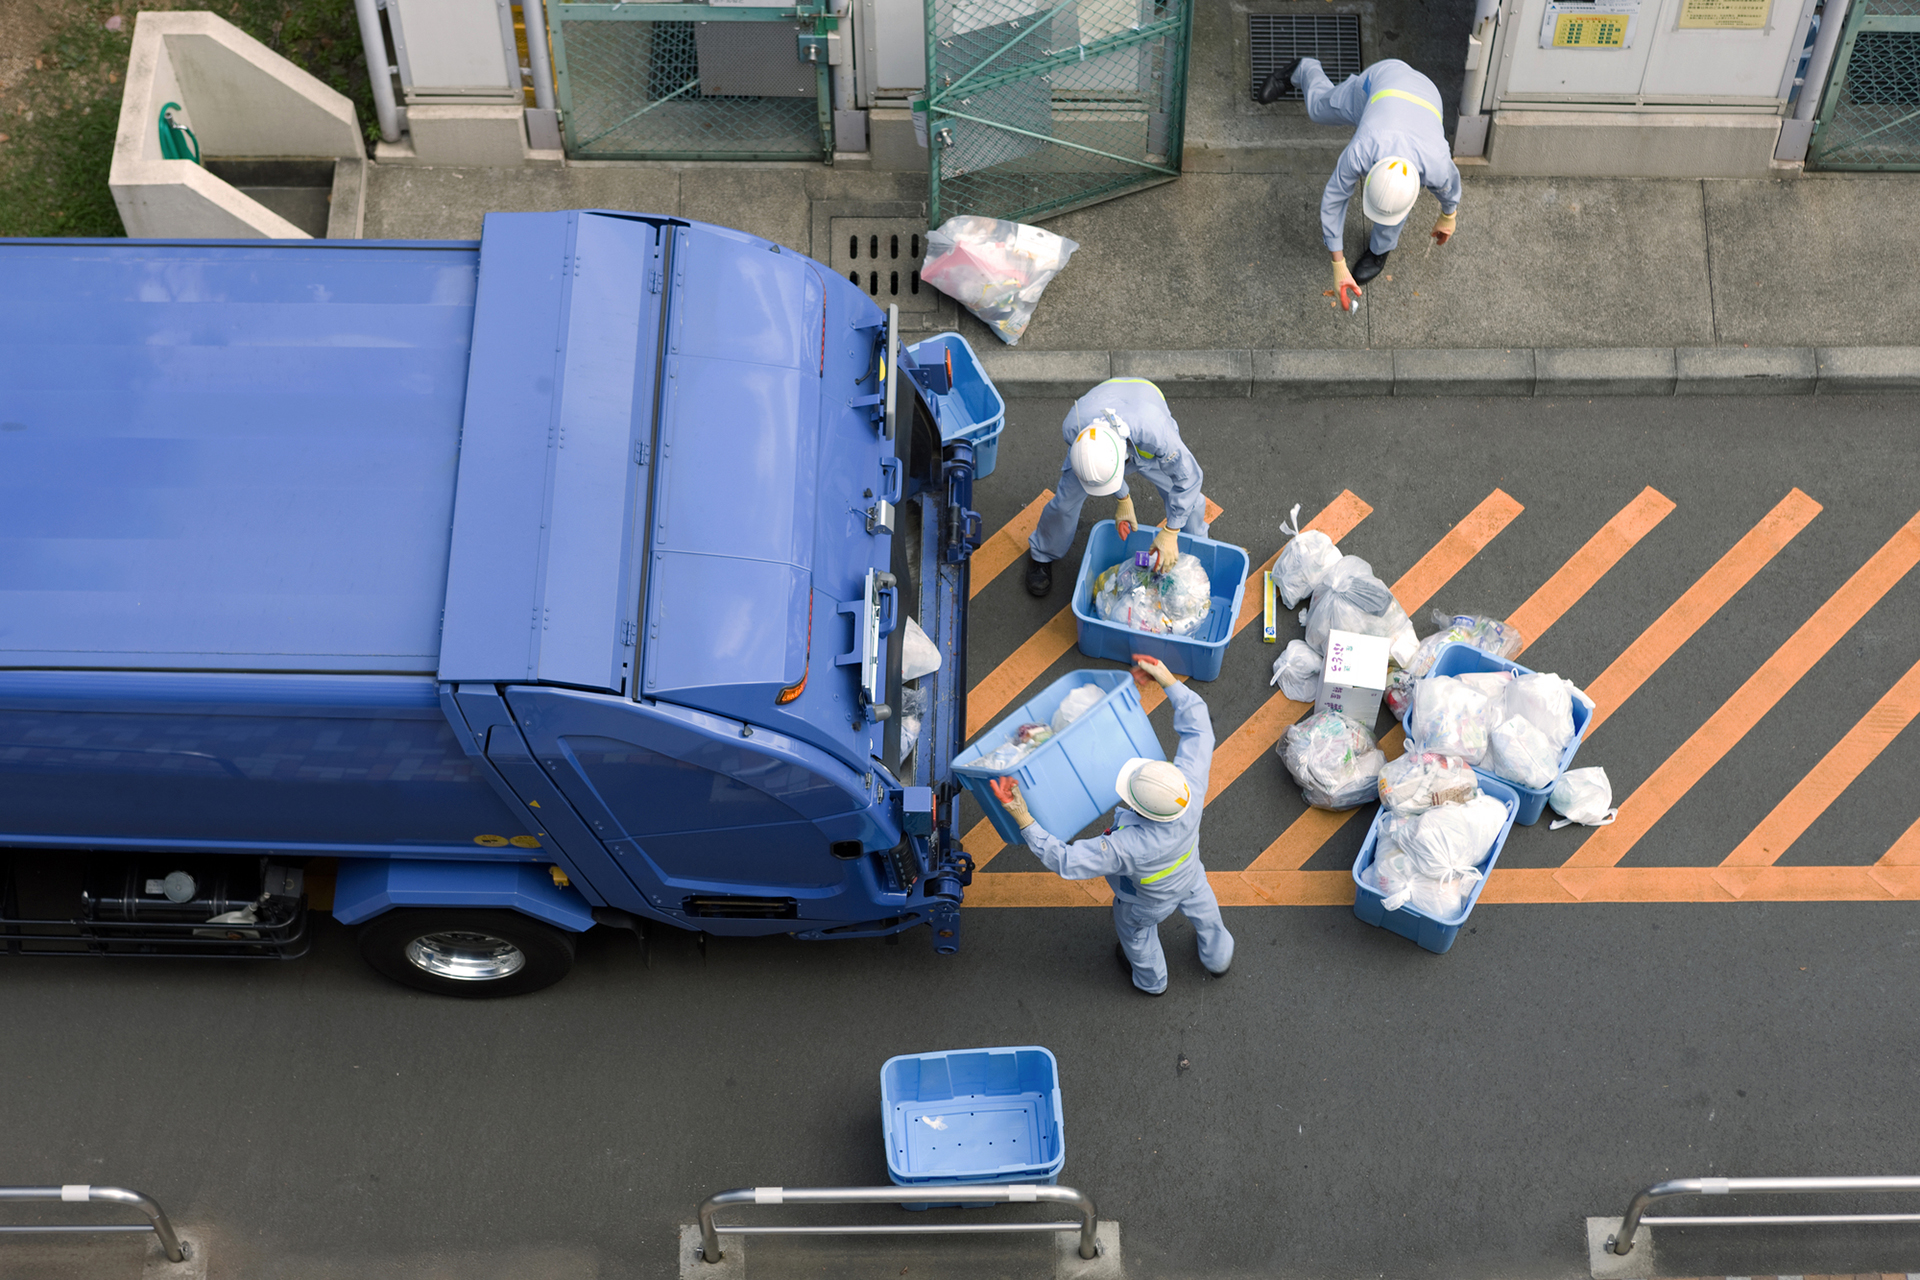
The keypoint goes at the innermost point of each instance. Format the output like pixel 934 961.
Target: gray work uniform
pixel 1394 111
pixel 1154 450
pixel 1153 867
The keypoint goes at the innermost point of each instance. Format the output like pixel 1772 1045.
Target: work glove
pixel 1145 668
pixel 1343 281
pixel 1443 229
pixel 1123 517
pixel 1166 546
pixel 1007 792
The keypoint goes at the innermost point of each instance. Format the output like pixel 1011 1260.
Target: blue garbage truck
pixel 479 593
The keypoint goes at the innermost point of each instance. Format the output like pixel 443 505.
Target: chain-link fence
pixel 1870 115
pixel 1035 107
pixel 685 81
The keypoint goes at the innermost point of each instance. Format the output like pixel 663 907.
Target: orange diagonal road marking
pixel 1005 545
pixel 1337 520
pixel 1821 787
pixel 1309 833
pixel 1744 709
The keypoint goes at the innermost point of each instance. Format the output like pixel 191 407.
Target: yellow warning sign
pixel 1591 30
pixel 1725 15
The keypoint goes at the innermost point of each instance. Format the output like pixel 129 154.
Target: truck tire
pixel 473 954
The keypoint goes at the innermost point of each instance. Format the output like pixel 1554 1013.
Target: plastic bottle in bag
pixel 1449 717
pixel 1334 760
pixel 1419 780
pixel 994 268
pixel 1177 602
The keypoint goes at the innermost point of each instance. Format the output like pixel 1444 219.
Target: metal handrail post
pixel 80 1193
pixel 997 1193
pixel 1622 1242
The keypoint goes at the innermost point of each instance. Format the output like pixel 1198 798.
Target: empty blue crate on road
pixel 971 1116
pixel 970 409
pixel 1123 604
pixel 1066 747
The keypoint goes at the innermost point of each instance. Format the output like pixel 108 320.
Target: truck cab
pixel 478 592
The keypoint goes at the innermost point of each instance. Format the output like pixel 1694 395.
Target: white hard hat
pixel 1153 789
pixel 1099 455
pixel 1391 188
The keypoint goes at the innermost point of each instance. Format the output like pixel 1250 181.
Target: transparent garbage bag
pixel 1076 704
pixel 1546 701
pixel 1399 692
pixel 1584 796
pixel 1450 841
pixel 918 655
pixel 1419 780
pixel 994 268
pixel 1489 635
pixel 1334 760
pixel 1304 562
pixel 1025 740
pixel 1297 671
pixel 1173 603
pixel 1350 598
pixel 913 709
pixel 1449 717
pixel 1520 753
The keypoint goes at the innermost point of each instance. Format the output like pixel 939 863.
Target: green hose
pixel 176 140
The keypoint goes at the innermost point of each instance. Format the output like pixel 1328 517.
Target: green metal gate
pixel 693 81
pixel 1035 107
pixel 1870 116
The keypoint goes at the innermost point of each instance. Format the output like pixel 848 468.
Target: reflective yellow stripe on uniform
pixel 1179 862
pixel 1410 97
pixel 1145 382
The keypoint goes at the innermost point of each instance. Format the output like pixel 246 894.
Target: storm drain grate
pixel 1275 38
pixel 882 257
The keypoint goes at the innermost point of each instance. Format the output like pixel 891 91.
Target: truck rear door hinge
pixel 629 632
pixel 642 454
pixel 654 281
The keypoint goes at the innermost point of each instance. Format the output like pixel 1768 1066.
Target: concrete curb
pixel 1420 371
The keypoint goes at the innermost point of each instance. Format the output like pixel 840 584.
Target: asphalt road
pixel 1348 1105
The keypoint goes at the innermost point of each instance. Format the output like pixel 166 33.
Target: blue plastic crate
pixel 969 1116
pixel 1459 657
pixel 1409 922
pixel 1067 781
pixel 1199 655
pixel 973 409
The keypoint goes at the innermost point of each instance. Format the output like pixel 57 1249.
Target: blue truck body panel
pixel 458 562
pixel 213 457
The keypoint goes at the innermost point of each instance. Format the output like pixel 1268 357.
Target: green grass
pixel 61 118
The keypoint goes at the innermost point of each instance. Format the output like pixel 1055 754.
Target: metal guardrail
pixel 1621 1243
pixel 998 1193
pixel 81 1193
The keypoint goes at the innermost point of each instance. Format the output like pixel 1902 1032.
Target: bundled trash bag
pixel 1546 701
pixel 1076 704
pixel 1350 598
pixel 1304 562
pixel 1432 860
pixel 1297 671
pixel 1451 718
pixel 1334 760
pixel 1520 753
pixel 995 269
pixel 1491 685
pixel 1025 740
pixel 1419 780
pixel 1489 635
pixel 1173 603
pixel 913 709
pixel 918 655
pixel 1584 796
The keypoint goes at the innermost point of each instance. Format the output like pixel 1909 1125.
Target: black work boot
pixel 1369 265
pixel 1278 81
pixel 1039 576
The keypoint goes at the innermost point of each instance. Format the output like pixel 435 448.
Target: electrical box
pixel 453 51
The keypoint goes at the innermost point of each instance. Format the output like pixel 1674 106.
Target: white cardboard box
pixel 1354 677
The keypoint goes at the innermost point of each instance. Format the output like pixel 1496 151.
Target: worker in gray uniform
pixel 1150 856
pixel 1120 428
pixel 1399 146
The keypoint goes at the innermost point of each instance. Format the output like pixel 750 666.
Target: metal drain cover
pixel 1276 38
pixel 882 256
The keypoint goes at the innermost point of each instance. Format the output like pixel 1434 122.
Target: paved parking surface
pixel 1716 985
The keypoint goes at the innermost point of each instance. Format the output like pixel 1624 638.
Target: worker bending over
pixel 1151 854
pixel 1120 428
pixel 1399 145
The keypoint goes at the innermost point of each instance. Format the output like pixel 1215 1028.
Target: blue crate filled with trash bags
pixel 1551 714
pixel 1421 869
pixel 1183 617
pixel 970 409
pixel 970 1116
pixel 1065 747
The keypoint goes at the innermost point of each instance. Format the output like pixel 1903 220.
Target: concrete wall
pixel 1619 144
pixel 242 99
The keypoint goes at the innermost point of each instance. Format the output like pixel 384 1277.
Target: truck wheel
pixel 467 953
